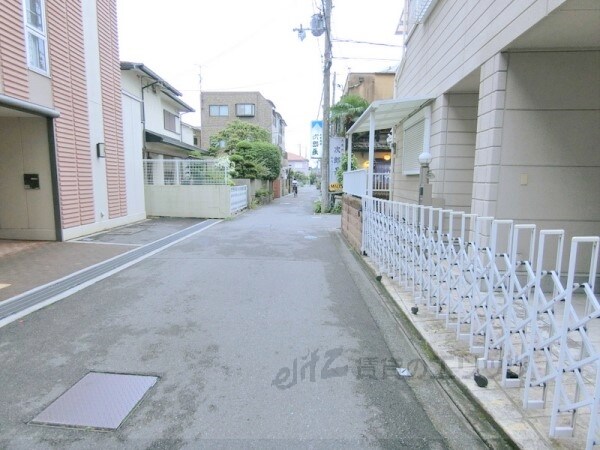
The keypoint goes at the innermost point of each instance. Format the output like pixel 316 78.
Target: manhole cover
pixel 98 400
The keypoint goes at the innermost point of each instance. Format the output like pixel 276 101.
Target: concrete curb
pixel 527 429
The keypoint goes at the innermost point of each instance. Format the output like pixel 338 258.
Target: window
pixel 171 121
pixel 420 9
pixel 218 110
pixel 244 110
pixel 415 141
pixel 415 12
pixel 35 35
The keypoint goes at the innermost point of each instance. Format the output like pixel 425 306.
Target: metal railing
pixel 381 182
pixel 355 182
pixel 478 274
pixel 185 171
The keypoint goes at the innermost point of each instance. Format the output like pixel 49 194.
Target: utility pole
pixel 326 107
pixel 321 23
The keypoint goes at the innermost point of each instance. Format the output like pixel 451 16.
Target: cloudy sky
pixel 241 45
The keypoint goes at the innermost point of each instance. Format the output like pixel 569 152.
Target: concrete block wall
pixel 352 221
pixel 199 201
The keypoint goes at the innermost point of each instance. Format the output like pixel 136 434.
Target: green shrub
pixel 262 193
pixel 317 206
pixel 337 208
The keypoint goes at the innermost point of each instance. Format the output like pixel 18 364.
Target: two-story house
pixel 163 133
pixel 298 163
pixel 64 171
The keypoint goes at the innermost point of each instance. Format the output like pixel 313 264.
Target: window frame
pixel 252 107
pixel 410 159
pixel 167 116
pixel 40 33
pixel 210 110
pixel 415 13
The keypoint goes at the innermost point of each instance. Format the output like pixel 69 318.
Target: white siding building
pixel 164 134
pixel 505 96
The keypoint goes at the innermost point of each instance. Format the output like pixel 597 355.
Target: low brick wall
pixel 352 221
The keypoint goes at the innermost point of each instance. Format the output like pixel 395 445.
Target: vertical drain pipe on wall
pixel 54 178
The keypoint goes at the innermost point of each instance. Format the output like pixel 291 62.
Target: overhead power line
pixel 367 59
pixel 352 41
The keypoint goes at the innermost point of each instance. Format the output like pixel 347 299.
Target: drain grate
pixel 35 296
pixel 99 400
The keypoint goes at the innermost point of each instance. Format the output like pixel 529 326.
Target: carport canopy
pixel 382 114
pixel 388 113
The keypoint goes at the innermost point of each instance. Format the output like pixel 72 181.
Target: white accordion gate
pixel 478 275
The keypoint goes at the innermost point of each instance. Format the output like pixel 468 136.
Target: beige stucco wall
pixel 452 146
pixel 550 160
pixel 370 86
pixel 25 213
pixel 207 201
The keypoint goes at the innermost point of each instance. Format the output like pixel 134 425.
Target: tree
pixel 227 140
pixel 339 173
pixel 345 112
pixel 253 160
pixel 301 177
pixel 250 150
pixel 269 156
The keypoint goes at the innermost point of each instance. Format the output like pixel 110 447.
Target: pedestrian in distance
pixel 295 187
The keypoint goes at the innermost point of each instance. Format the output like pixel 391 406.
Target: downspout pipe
pixel 144 117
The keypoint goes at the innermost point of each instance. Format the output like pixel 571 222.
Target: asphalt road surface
pixel 264 331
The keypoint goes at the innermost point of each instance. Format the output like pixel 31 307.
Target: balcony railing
pixel 355 182
pixel 381 182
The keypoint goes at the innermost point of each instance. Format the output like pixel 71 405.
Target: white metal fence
pixel 185 171
pixel 381 182
pixel 355 182
pixel 239 198
pixel 478 274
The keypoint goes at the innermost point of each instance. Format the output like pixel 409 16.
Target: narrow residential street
pixel 264 331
